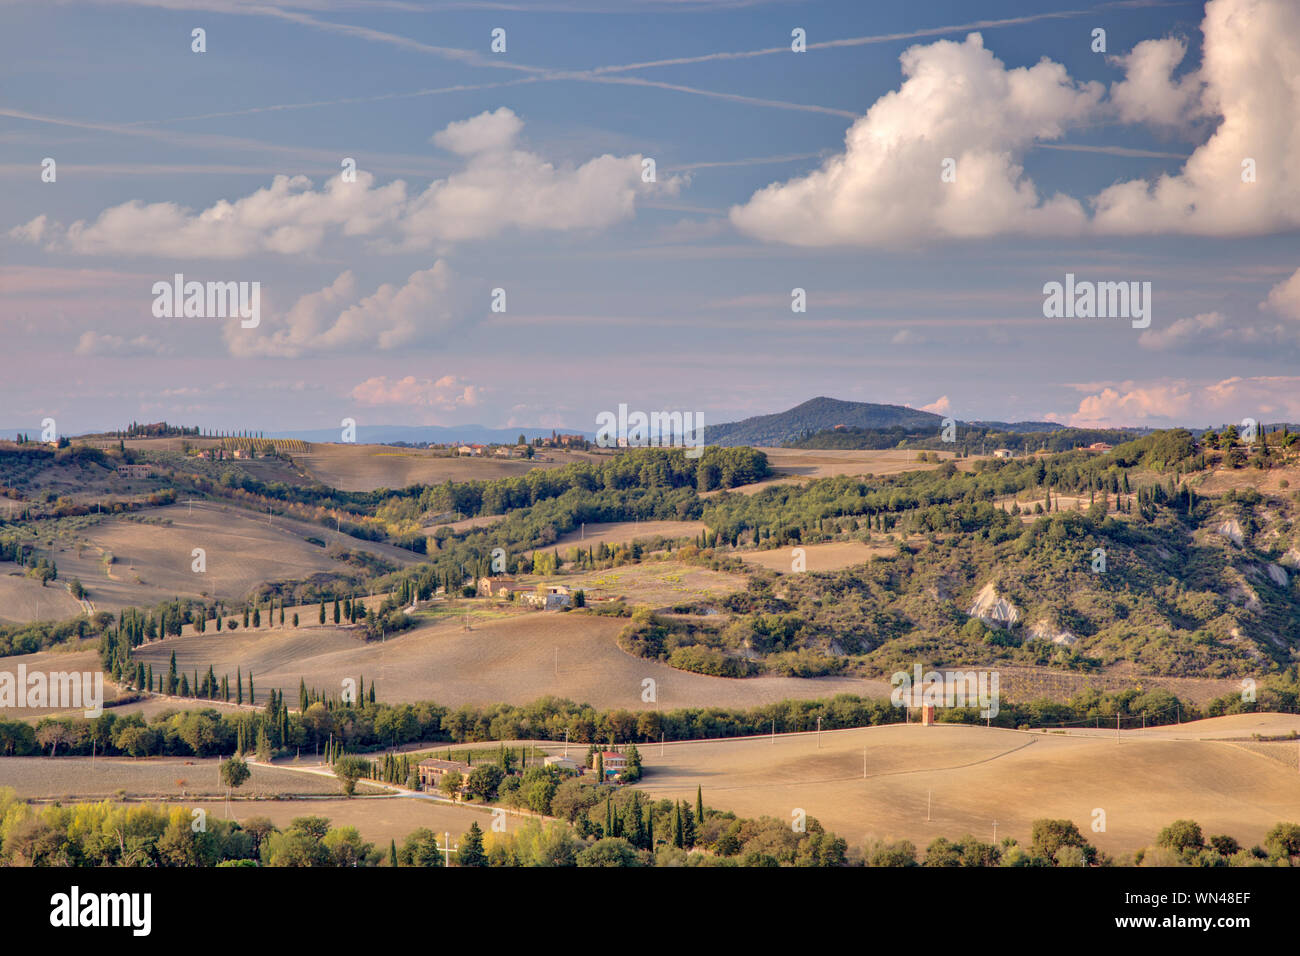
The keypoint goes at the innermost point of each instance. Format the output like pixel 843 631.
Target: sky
pixel 527 213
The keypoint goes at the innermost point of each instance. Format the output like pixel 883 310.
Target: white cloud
pixel 1249 66
pixel 487 131
pixel 100 343
pixel 1208 326
pixel 1149 93
pixel 333 319
pixel 501 187
pixel 957 102
pixel 1265 398
pixel 1284 298
pixel 938 406
pixel 448 392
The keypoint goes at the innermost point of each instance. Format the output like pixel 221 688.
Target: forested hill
pixel 814 415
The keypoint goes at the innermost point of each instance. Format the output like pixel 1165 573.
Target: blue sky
pixel 522 171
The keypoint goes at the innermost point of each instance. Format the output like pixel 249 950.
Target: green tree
pixel 471 851
pixel 1181 835
pixel 349 769
pixel 1048 836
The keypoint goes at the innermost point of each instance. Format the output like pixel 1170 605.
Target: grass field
pixel 355 467
pixel 919 782
pixel 798 465
pixel 512 660
pixel 655 583
pixel 828 556
pixel 155 778
pixel 123 562
pixel 972 776
pixel 377 819
pixel 612 533
pixel 22 599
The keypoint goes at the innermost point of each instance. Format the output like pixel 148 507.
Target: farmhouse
pixel 135 471
pixel 498 587
pixel 1100 446
pixel 562 763
pixel 432 771
pixel 615 763
pixel 1004 453
pixel 550 597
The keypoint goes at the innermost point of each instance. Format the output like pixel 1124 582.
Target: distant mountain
pixel 435 434
pixel 814 415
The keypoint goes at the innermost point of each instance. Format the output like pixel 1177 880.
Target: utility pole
pixel 819 733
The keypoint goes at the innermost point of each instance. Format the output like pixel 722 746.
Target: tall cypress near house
pixel 699 803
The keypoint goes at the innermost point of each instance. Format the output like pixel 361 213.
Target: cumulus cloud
pixel 448 392
pixel 1284 298
pixel 487 131
pixel 501 187
pixel 1198 330
pixel 938 406
pixel 334 319
pixel 1149 93
pixel 959 102
pixel 1266 398
pixel 1249 65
